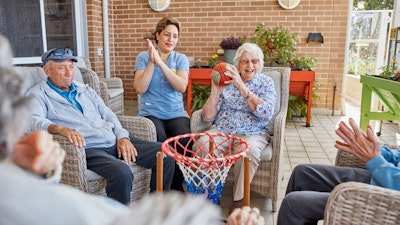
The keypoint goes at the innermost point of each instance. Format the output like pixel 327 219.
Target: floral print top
pixel 234 116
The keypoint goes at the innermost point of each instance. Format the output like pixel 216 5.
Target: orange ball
pixel 218 73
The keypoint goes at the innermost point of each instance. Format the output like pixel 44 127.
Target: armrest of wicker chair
pixel 197 124
pixel 112 82
pixel 139 127
pixel 359 203
pixel 74 166
pixel 346 159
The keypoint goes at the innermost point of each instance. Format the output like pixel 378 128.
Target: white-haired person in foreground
pixel 30 171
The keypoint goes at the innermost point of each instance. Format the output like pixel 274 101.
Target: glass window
pixel 369 30
pixel 20 22
pixel 34 26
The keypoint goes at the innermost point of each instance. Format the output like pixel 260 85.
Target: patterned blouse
pixel 234 116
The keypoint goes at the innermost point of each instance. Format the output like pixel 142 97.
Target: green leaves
pixel 304 63
pixel 200 95
pixel 278 44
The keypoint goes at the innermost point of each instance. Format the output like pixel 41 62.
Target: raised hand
pixel 38 153
pixel 363 146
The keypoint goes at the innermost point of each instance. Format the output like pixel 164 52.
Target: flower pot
pixel 229 54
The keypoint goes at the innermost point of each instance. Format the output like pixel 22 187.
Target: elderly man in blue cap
pixel 74 110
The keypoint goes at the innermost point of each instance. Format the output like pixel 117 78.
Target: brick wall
pixel 206 22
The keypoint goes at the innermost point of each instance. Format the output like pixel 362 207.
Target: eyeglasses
pixel 62 51
pixel 246 61
pixel 59 52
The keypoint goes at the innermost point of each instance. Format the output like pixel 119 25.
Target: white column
pixel 396 14
pixel 106 40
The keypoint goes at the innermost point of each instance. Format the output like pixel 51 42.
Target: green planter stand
pixel 387 91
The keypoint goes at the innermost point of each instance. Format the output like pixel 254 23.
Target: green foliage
pixel 374 4
pixel 200 95
pixel 304 63
pixel 278 44
pixel 212 61
pixel 390 71
pixel 362 67
pixel 298 106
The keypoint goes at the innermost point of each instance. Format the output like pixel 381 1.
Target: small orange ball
pixel 218 73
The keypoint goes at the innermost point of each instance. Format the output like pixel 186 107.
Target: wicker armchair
pixel 75 172
pixel 77 175
pixel 268 177
pixel 346 159
pixel 358 203
pixel 362 204
pixel 111 90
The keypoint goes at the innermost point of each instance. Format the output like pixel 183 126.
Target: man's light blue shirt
pixel 67 95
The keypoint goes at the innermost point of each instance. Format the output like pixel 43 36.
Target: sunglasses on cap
pixel 60 52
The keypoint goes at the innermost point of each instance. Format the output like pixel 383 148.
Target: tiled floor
pixel 308 145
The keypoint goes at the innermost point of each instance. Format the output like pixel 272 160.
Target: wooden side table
pixel 301 85
pixel 388 92
pixel 200 76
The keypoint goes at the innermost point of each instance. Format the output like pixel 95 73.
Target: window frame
pixel 80 33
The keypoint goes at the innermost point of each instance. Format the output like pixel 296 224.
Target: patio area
pixel 308 145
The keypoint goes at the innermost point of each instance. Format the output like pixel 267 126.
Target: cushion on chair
pixel 92 176
pixel 276 77
pixel 78 75
pixel 114 92
pixel 31 76
pixel 266 154
pixel 81 62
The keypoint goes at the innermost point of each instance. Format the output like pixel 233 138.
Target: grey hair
pixel 249 47
pixel 13 105
pixel 172 208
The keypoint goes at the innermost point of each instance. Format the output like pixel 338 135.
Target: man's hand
pixel 363 146
pixel 38 152
pixel 245 216
pixel 73 136
pixel 126 149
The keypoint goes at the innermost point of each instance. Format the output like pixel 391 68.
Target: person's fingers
pixel 134 154
pixel 125 156
pixel 345 132
pixel 76 138
pixel 255 210
pixel 50 158
pixel 370 134
pixel 235 217
pixel 128 154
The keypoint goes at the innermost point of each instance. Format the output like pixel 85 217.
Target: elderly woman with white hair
pixel 243 107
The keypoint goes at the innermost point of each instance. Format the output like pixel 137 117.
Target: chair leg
pixel 159 171
pixel 246 200
pixel 274 205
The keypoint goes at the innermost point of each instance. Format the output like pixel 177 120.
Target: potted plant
pixel 199 84
pixel 279 45
pixel 303 63
pixel 230 45
pixel 302 87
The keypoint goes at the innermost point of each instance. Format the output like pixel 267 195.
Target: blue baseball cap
pixel 58 55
